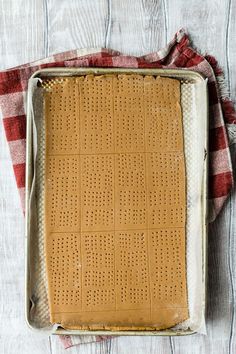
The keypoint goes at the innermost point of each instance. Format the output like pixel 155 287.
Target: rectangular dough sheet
pixel 115 202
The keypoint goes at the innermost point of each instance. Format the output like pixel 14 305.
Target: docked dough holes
pixel 115 202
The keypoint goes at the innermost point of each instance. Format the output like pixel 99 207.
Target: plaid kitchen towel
pixel 177 54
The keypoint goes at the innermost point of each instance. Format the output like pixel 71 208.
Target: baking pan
pixel 182 75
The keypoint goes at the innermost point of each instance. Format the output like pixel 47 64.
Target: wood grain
pixel 76 24
pixel 231 48
pixel 137 27
pixel 203 20
pixel 22 32
pixel 31 29
pixel 140 345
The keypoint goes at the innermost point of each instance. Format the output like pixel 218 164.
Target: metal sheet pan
pixel 180 74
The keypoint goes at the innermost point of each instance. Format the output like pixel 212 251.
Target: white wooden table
pixel 31 29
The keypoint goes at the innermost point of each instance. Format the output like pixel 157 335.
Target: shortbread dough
pixel 115 202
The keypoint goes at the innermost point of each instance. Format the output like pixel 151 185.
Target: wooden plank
pixel 21 31
pixel 25 344
pixel 76 24
pixel 135 30
pixel 141 345
pixel 203 20
pixel 137 27
pixel 231 49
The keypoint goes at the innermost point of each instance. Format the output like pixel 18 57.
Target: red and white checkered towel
pixel 177 54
